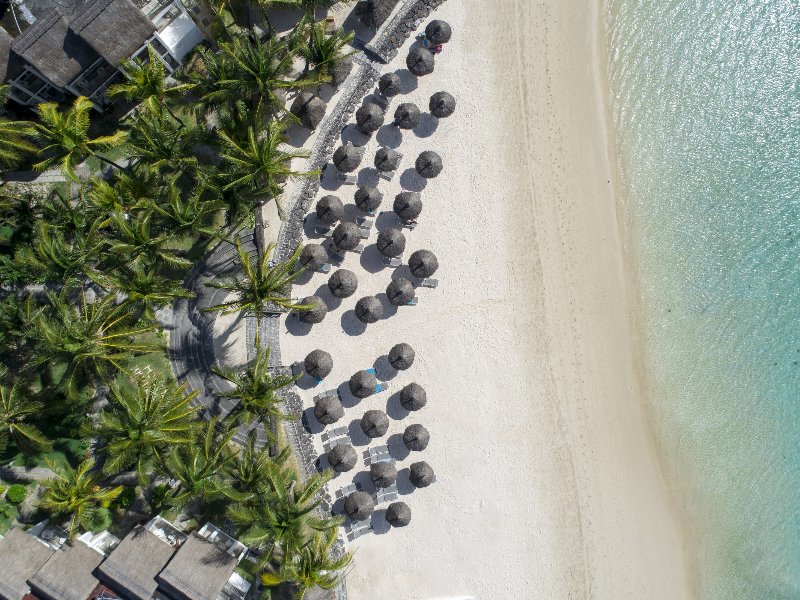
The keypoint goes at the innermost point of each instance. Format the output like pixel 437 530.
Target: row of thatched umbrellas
pixel 347 158
pixel 420 61
pixel 330 208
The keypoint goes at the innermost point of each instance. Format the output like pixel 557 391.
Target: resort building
pixel 155 561
pixel 79 54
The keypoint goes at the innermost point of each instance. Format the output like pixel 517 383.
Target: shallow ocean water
pixel 706 108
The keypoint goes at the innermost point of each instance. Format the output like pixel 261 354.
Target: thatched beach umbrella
pixel 400 291
pixel 369 117
pixel 315 314
pixel 438 32
pixel 398 514
pixel 368 198
pixel 421 474
pixel 391 242
pixel 310 109
pixel 420 61
pixel 407 205
pixel 342 458
pixel 369 309
pixel 374 423
pixel 442 105
pixel 423 263
pixel 347 236
pixel 328 410
pixel 401 356
pixel 389 84
pixel 413 397
pixel 428 164
pixel 407 115
pixel 318 364
pixel 313 257
pixel 383 474
pixel 387 159
pixel 363 384
pixel 343 283
pixel 359 506
pixel 416 437
pixel 347 157
pixel 330 209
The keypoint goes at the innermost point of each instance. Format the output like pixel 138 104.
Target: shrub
pixel 125 499
pixel 16 493
pixel 158 495
pixel 98 520
pixel 6 510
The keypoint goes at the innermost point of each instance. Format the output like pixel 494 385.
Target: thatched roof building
pixel 67 575
pixel 198 571
pixel 21 555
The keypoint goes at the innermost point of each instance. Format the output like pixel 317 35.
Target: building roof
pixel 133 565
pixel 21 555
pixel 5 50
pixel 53 49
pixel 114 28
pixel 198 571
pixel 68 574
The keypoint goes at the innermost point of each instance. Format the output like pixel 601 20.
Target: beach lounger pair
pixel 337 441
pixel 349 489
pixel 389 494
pixel 377 454
pixel 355 529
pixel 392 262
pixel 333 433
pixel 347 179
pixel 363 222
pixel 428 283
pixel 334 393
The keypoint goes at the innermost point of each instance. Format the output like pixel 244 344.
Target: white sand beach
pixel 548 483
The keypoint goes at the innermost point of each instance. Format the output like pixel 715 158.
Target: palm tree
pixel 136 244
pixel 142 286
pixel 93 339
pixel 256 390
pixel 162 143
pixel 15 412
pixel 251 69
pixel 256 468
pixel 323 52
pixel 52 257
pixel 189 212
pixel 265 287
pixel 15 141
pixel 282 517
pixel 313 565
pixel 202 468
pixel 257 167
pixel 64 137
pixel 146 417
pixel 147 83
pixel 75 493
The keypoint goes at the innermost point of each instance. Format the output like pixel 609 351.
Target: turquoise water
pixel 706 104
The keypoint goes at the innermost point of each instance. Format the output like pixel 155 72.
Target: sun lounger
pixel 329 435
pixel 413 301
pixel 392 262
pixel 388 175
pixel 387 494
pixel 381 387
pixel 326 268
pixel 348 179
pixel 429 283
pixel 364 222
pixel 323 231
pixel 377 454
pixel 364 232
pixel 338 441
pixel 355 529
pixel 359 249
pixel 334 393
pixel 349 489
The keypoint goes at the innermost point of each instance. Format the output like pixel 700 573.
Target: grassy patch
pixel 8 512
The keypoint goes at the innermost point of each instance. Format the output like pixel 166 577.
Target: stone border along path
pixel 192 334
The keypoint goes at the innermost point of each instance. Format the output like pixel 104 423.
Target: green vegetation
pixel 86 384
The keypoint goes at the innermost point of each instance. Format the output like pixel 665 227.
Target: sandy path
pixel 547 486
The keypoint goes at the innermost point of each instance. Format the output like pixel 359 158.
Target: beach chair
pixel 323 231
pixel 334 393
pixel 326 268
pixel 413 301
pixel 429 283
pixel 337 441
pixel 348 179
pixel 359 249
pixel 392 262
pixel 381 387
pixel 364 222
pixel 388 175
pixel 364 232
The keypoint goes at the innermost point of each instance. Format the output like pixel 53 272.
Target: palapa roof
pixel 313 256
pixel 400 291
pixel 369 117
pixel 398 514
pixel 310 109
pixel 68 574
pixel 55 51
pixel 133 565
pixel 316 314
pixel 401 356
pixel 347 236
pixel 359 505
pixel 368 198
pixel 21 555
pixel 413 396
pixel 390 85
pixel 423 263
pixel 114 28
pixel 375 12
pixel 318 364
pixel 342 458
pixel 328 410
pixel 363 384
pixel 421 474
pixel 347 157
pixel 383 473
pixel 420 61
pixel 407 115
pixel 198 571
pixel 387 159
pixel 416 437
pixel 407 205
pixel 391 242
pixel 374 423
pixel 369 309
pixel 442 105
pixel 438 31
pixel 428 164
pixel 329 209
pixel 343 283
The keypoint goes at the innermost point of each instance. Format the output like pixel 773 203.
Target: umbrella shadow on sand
pixel 351 133
pixel 389 136
pixel 357 435
pixel 394 409
pixel 371 259
pixel 408 81
pixel 428 125
pixel 310 423
pixel 397 448
pixel 383 370
pixel 412 181
pixel 351 325
pixel 295 326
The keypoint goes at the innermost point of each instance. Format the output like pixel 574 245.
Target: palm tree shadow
pixel 412 181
